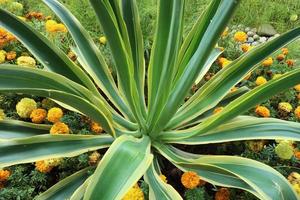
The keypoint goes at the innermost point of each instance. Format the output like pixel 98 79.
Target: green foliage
pixel 197 194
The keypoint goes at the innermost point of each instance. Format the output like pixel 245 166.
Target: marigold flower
pixel 256 145
pixel 268 62
pixel 94 158
pixel 103 40
pixel 245 47
pixel 43 167
pixel 285 106
pixel 217 110
pixel 26 61
pixel 135 193
pixel 285 51
pixel 95 127
pixel 4 175
pixel 260 80
pixel 297 87
pixel 38 115
pixel 284 150
pixel 225 63
pixel 222 194
pixel 2 115
pixel 163 178
pixel 240 36
pixel 190 180
pixel 25 107
pixel 297 154
pixel 52 27
pixel 2 56
pixel 294 179
pixel 297 112
pixel 34 15
pixel 59 128
pixel 262 111
pixel 290 62
pixel 54 115
pixel 11 55
pixel 280 57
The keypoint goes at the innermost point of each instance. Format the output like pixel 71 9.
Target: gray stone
pixel 255 43
pixel 254 30
pixel 256 37
pixel 250 39
pixel 247 29
pixel 250 33
pixel 266 30
pixel 262 39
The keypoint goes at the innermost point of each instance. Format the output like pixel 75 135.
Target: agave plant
pixel 141 124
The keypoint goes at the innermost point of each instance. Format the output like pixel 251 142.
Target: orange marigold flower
pixel 268 62
pixel 4 174
pixel 285 51
pixel 297 154
pixel 240 36
pixel 222 194
pixel 34 15
pixel 280 57
pixel 95 127
pixel 297 87
pixel 262 111
pixel 260 80
pixel 290 62
pixel 245 47
pixel 59 128
pixel 38 115
pixel 54 114
pixel 11 55
pixel 297 112
pixel 218 109
pixel 43 167
pixel 190 180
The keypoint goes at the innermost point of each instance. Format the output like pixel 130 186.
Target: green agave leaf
pixel 102 116
pixel 47 53
pixel 164 55
pixel 121 167
pixel 216 88
pixel 159 190
pixel 195 64
pixel 192 40
pixel 79 192
pixel 30 149
pixel 89 53
pixel 66 187
pixel 10 129
pixel 247 128
pixel 241 104
pixel 123 61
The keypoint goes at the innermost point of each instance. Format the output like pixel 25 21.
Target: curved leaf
pixel 66 187
pixel 26 150
pixel 121 167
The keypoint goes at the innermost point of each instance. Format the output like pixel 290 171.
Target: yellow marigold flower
pixel 297 87
pixel 135 193
pixel 59 128
pixel 95 127
pixel 240 36
pixel 103 40
pixel 225 63
pixel 52 26
pixel 38 115
pixel 2 56
pixel 4 174
pixel 221 60
pixel 190 180
pixel 256 145
pixel 285 106
pixel 260 80
pixel 2 115
pixel 276 76
pixel 285 51
pixel 25 107
pixel 94 158
pixel 11 55
pixel 163 178
pixel 54 115
pixel 248 76
pixel 49 23
pixel 245 47
pixel 280 57
pixel 225 32
pixel 262 111
pixel 284 150
pixel 43 167
pixel 290 62
pixel 268 62
pixel 26 61
pixel 222 194
pixel 297 112
pixel 218 109
pixel 296 188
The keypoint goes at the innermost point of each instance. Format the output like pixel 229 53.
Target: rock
pixel 254 30
pixel 266 30
pixel 262 39
pixel 247 29
pixel 271 38
pixel 250 40
pixel 256 37
pixel 255 43
pixel 250 33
